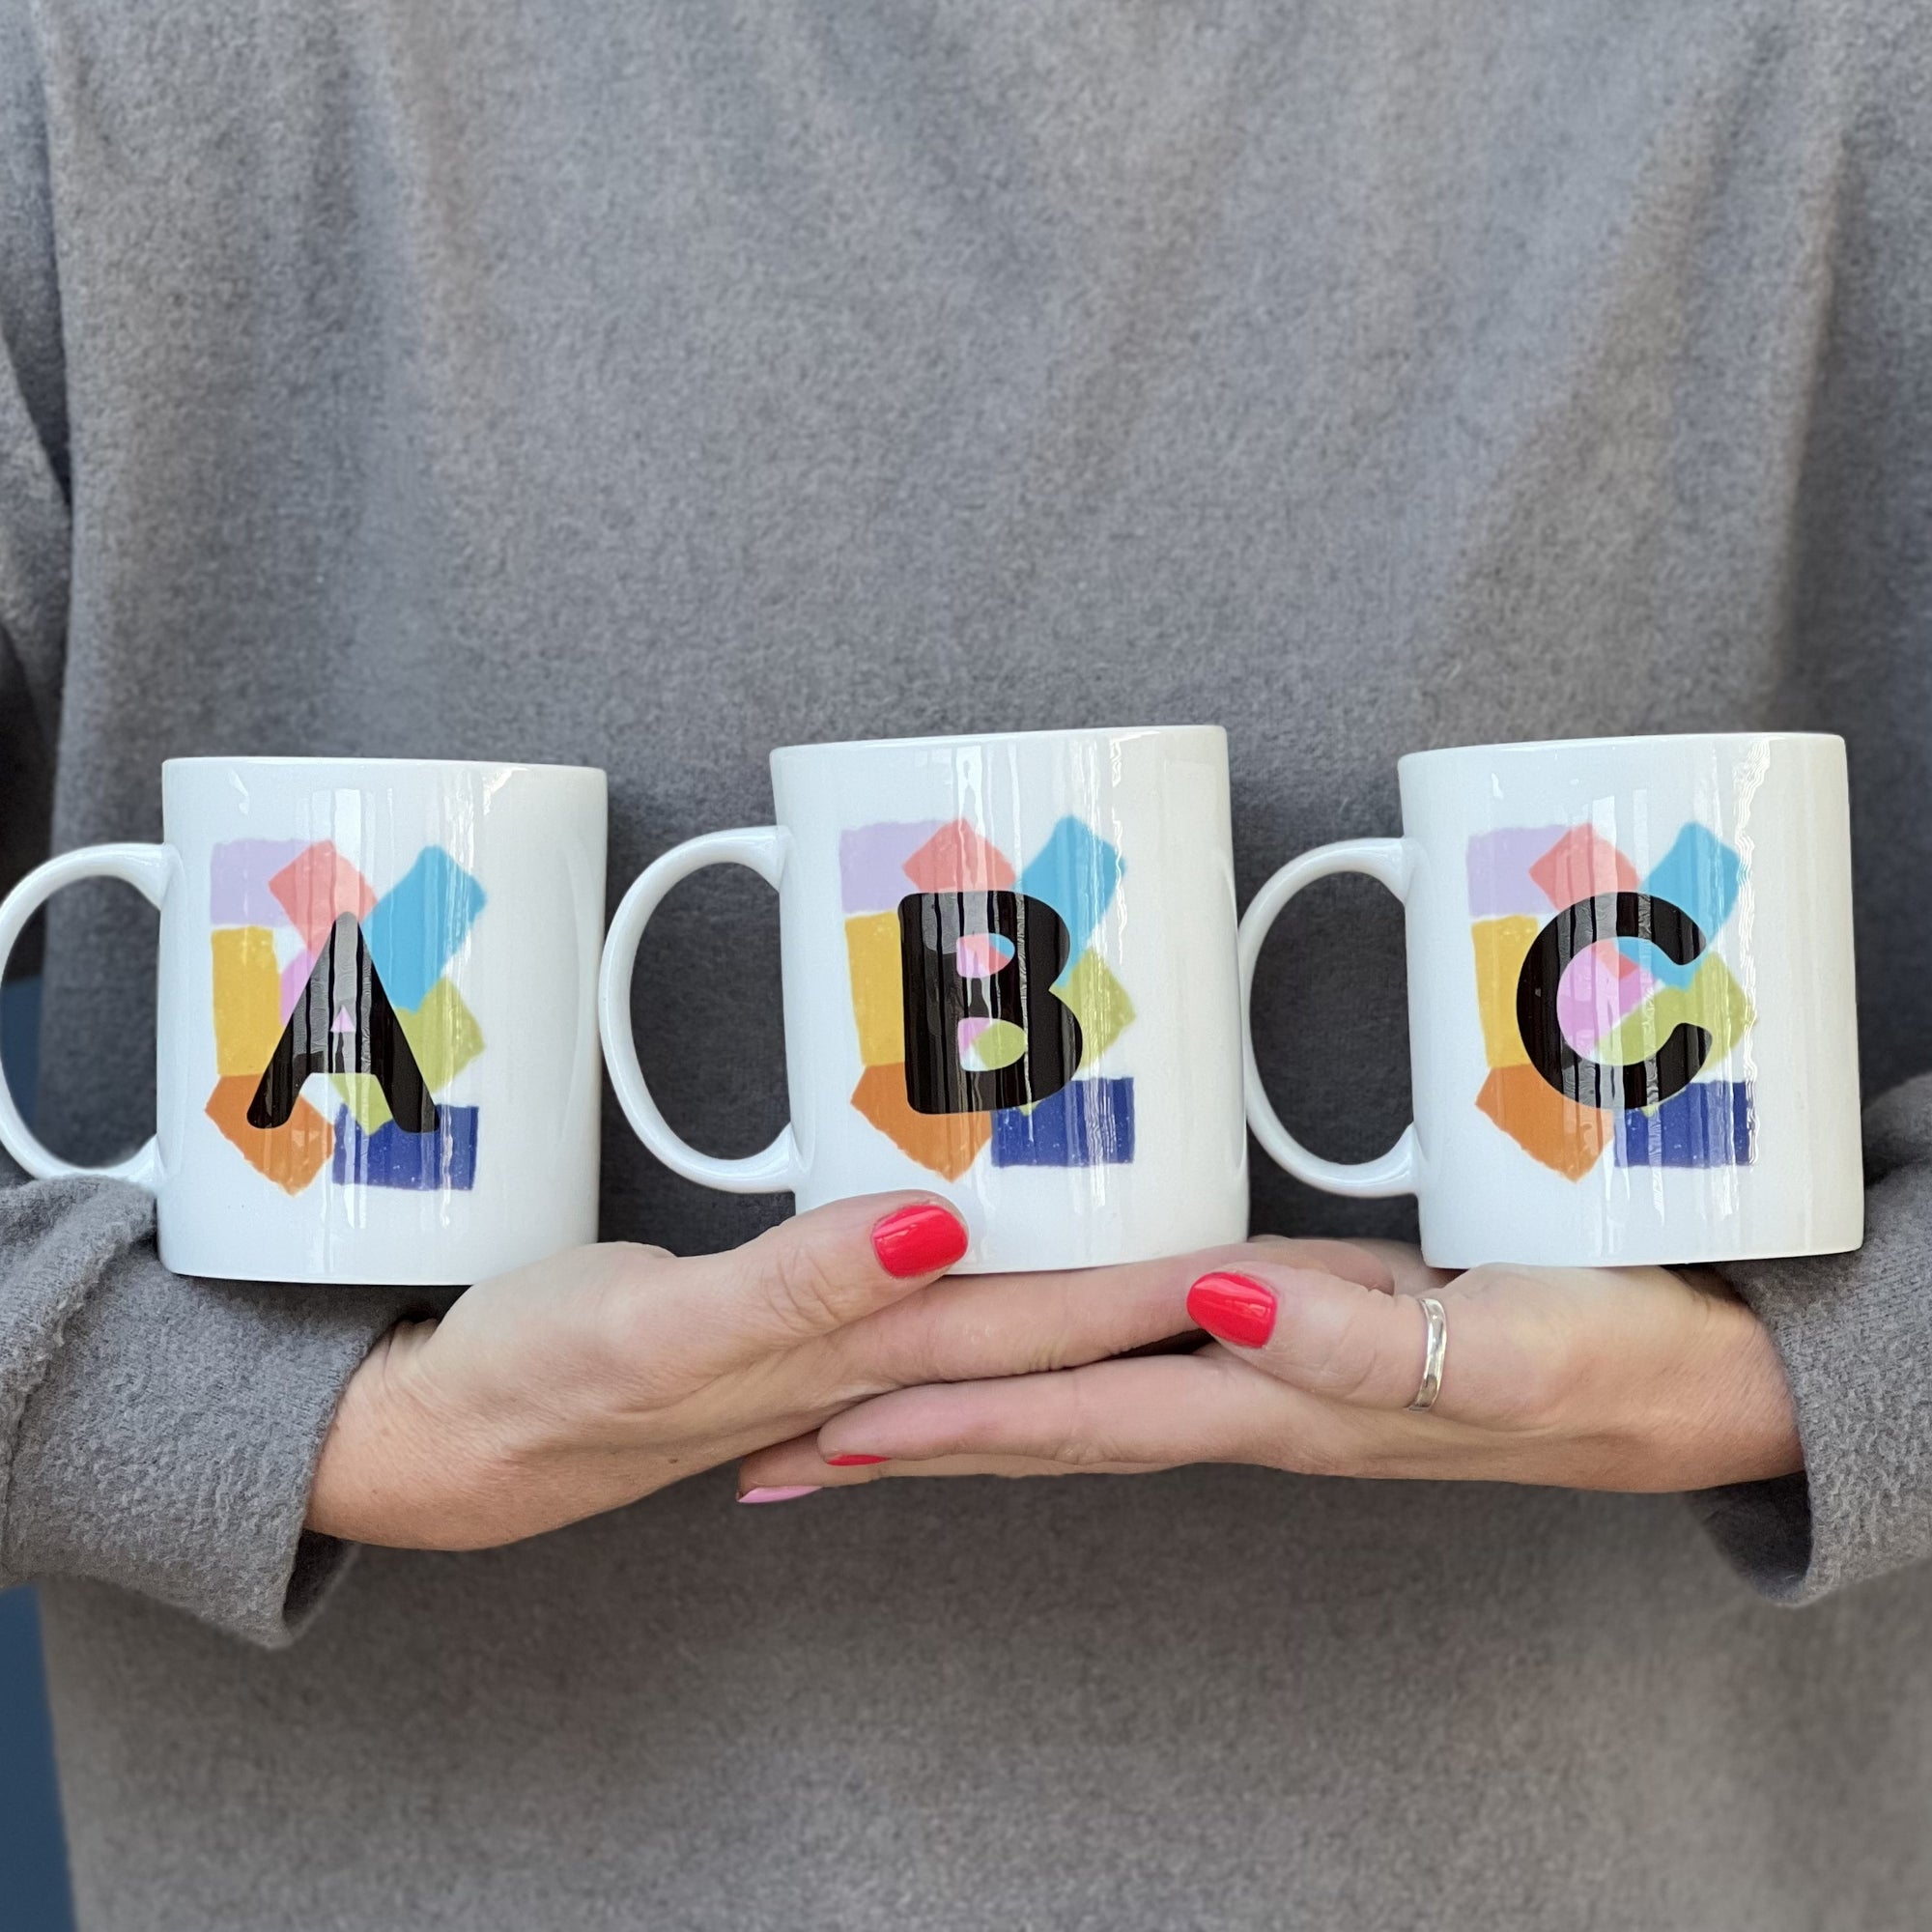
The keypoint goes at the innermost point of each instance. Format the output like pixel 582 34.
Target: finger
pixel 1325 1334
pixel 970 1327
pixel 1375 1265
pixel 760 1483
pixel 786 1469
pixel 1149 1413
pixel 1395 1268
pixel 806 1278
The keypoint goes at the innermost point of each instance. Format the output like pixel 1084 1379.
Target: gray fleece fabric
pixel 644 384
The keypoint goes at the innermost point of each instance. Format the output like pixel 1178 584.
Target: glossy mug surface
pixel 1632 1016
pixel 1008 978
pixel 377 1055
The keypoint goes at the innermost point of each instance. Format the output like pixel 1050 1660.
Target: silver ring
pixel 1432 1356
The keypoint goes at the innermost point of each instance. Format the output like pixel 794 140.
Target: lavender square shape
pixel 872 863
pixel 239 872
pixel 1499 862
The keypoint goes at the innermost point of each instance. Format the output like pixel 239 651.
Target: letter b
pixel 942 989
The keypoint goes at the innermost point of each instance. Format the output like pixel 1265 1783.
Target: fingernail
pixel 783 1494
pixel 852 1462
pixel 1231 1308
pixel 918 1240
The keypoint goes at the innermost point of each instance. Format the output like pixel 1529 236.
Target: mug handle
pixel 778 1169
pixel 1392 862
pixel 148 868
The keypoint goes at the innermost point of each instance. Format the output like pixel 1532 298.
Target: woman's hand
pixel 1633 1379
pixel 588 1381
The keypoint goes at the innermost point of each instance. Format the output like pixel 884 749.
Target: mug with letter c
pixel 1009 969
pixel 1632 1016
pixel 376 1046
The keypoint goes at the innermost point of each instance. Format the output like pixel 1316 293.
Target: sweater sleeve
pixel 1855 1333
pixel 158 1432
pixel 155 1432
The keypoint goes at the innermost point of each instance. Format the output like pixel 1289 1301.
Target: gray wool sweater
pixel 647 383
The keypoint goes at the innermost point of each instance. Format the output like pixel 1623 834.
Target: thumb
pixel 1350 1333
pixel 822 1270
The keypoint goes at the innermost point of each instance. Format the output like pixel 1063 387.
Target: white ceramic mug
pixel 1632 1018
pixel 377 1055
pixel 1008 978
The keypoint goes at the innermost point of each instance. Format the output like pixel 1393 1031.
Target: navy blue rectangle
pixel 1710 1123
pixel 1087 1124
pixel 390 1158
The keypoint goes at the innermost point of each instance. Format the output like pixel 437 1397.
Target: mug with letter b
pixel 377 1055
pixel 1632 1009
pixel 1008 979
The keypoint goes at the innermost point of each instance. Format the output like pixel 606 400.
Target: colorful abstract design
pixel 979 999
pixel 1600 1000
pixel 316 975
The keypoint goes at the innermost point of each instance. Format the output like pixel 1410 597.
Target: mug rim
pixel 938 738
pixel 1635 741
pixel 259 761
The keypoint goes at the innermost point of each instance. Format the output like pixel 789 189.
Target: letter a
pixel 343 1023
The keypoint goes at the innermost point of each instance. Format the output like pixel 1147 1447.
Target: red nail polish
pixel 918 1240
pixel 1231 1308
pixel 852 1462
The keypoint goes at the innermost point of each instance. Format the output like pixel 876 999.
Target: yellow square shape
pixel 873 944
pixel 247 999
pixel 1501 945
pixel 442 1033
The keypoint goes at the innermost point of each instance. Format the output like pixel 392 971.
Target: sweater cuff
pixel 1855 1334
pixel 165 1428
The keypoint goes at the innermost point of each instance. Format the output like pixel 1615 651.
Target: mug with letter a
pixel 1632 1019
pixel 1008 979
pixel 377 1052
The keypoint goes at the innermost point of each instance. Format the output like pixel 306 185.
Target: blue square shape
pixel 391 1157
pixel 1710 1123
pixel 1087 1124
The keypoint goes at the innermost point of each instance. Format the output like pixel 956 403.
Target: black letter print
pixel 1588 1082
pixel 938 996
pixel 344 979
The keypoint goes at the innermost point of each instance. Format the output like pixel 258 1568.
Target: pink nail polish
pixel 853 1461
pixel 919 1240
pixel 1233 1308
pixel 783 1492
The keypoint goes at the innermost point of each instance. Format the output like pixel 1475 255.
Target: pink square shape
pixel 1582 865
pixel 955 859
pixel 317 887
pixel 1600 989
